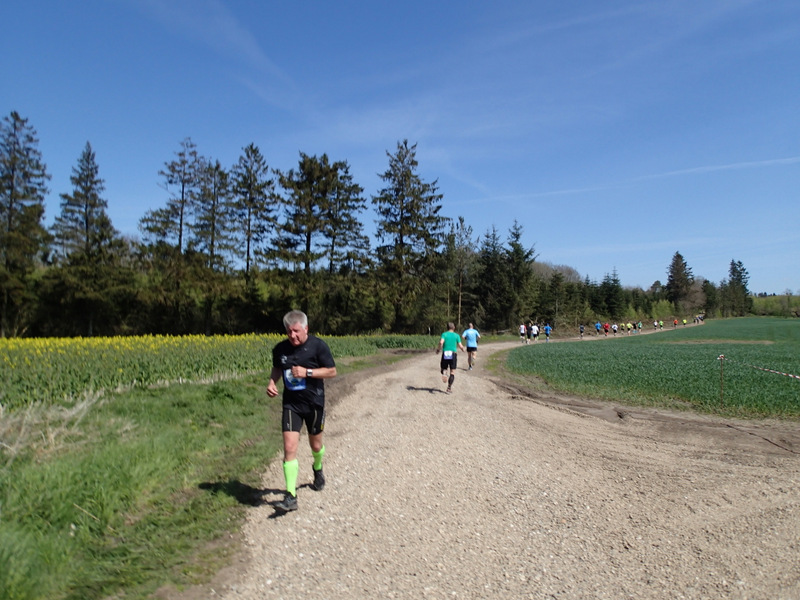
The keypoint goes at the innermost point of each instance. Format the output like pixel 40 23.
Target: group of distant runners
pixel 614 328
pixel 530 332
pixel 633 327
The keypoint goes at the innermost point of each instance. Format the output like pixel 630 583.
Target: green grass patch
pixel 681 368
pixel 147 482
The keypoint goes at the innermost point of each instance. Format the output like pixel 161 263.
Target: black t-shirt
pixel 312 354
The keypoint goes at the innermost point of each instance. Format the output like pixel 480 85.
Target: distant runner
pixel 471 337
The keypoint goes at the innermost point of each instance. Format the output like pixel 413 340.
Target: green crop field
pixel 681 367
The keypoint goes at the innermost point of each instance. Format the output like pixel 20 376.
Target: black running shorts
pixel 313 417
pixel 449 362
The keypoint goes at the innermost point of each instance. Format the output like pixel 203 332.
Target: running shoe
pixel 288 503
pixel 319 480
pixel 449 391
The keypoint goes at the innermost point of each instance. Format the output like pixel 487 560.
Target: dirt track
pixel 492 493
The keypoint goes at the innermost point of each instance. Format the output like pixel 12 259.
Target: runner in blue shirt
pixel 471 336
pixel 547 330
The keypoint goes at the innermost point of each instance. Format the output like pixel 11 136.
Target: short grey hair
pixel 293 317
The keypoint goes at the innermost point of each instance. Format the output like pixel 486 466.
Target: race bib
pixel 448 354
pixel 291 382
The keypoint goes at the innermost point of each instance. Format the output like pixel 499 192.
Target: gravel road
pixel 491 492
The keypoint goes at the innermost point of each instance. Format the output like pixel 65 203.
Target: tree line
pixel 232 249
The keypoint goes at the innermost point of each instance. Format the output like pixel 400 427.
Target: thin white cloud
pixel 637 248
pixel 515 198
pixel 756 164
pixel 665 26
pixel 212 24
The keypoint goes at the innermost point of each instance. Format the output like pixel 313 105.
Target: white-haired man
pixel 303 361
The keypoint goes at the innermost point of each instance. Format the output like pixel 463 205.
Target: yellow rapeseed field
pixel 57 370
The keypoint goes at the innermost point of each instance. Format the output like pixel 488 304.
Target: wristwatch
pixel 309 372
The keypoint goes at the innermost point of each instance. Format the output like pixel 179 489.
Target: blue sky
pixel 616 132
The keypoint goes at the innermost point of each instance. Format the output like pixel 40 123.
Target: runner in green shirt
pixel 449 344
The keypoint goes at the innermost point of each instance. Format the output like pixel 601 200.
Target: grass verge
pixel 143 492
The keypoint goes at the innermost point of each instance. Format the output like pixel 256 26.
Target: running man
pixel 449 344
pixel 303 361
pixel 471 337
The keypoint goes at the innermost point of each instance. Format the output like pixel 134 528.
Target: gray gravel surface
pixel 490 493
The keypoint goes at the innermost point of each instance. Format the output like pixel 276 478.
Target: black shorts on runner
pixel 313 417
pixel 472 349
pixel 449 362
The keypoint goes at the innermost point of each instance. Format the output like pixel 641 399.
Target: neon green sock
pixel 290 470
pixel 318 458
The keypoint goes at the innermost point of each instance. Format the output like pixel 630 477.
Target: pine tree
pixel 83 226
pixel 212 211
pixel 181 176
pixel 494 287
pixel 736 300
pixel 346 303
pixel 307 209
pixel 409 223
pixel 556 295
pixel 347 246
pixel 613 296
pixel 679 281
pixel 711 293
pixel 173 280
pixel 410 230
pixel 520 260
pixel 90 277
pixel 23 237
pixel 463 258
pixel 254 202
